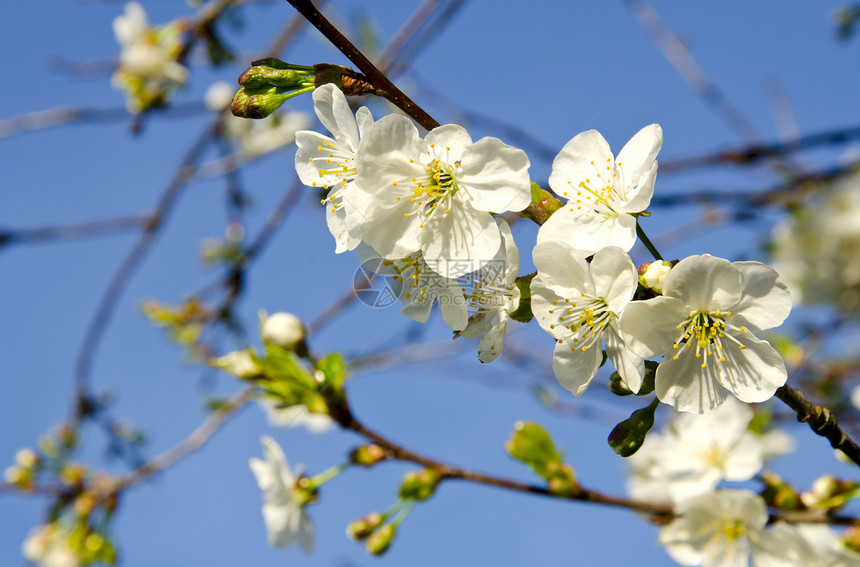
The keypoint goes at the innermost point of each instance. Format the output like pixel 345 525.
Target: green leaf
pixel 628 436
pixel 532 445
pixel 334 369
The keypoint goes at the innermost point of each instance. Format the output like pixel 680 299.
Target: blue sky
pixel 551 69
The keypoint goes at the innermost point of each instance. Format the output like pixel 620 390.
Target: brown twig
pixel 75 230
pixel 820 420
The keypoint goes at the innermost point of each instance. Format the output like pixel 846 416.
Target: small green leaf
pixel 532 445
pixel 334 369
pixel 628 436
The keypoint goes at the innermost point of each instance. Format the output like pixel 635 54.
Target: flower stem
pixel 329 474
pixel 647 242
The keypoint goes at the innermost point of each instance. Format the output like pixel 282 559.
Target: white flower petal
pixel 649 327
pixel 766 301
pixel 640 197
pixel 561 268
pixel 493 339
pixel 447 142
pixel 460 241
pixel 688 387
pixel 637 156
pixel 335 114
pixel 576 161
pixel 753 373
pixel 575 368
pixel 704 283
pixel 629 365
pixel 615 278
pixel 495 176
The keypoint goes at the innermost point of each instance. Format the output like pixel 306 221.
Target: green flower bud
pixel 367 455
pixel 257 105
pixel 420 485
pixel 361 528
pixel 533 446
pixel 380 540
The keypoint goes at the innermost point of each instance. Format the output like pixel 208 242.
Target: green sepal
pixel 523 312
pixel 334 369
pixel 617 386
pixel 628 436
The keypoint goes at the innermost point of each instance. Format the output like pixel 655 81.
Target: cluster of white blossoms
pixel 724 527
pixel 421 208
pixel 148 69
pixel 817 248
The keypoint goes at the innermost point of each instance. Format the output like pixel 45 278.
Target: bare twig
pixel 75 230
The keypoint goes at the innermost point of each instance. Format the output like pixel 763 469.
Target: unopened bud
pixel 367 455
pixel 282 329
pixel 420 485
pixel 851 539
pixel 380 540
pixel 779 494
pixel 830 492
pixel 361 528
pixel 258 104
pixel 653 274
pixel 26 458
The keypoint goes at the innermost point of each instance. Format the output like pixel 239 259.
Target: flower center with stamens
pixel 436 189
pixel 342 168
pixel 408 271
pixel 704 332
pixel 585 317
pixel 597 193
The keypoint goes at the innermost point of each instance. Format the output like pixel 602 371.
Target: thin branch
pixel 377 77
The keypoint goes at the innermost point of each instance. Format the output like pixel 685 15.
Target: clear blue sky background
pixel 551 68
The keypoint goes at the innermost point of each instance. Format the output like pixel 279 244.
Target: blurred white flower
pixel 720 529
pixel 807 545
pixel 148 67
pixel 695 452
pixel 285 518
pixel 49 546
pixel 296 416
pixel 817 247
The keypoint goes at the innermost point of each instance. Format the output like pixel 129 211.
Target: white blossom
pixel 49 546
pixel 418 287
pixel 695 452
pixel 579 304
pixel 327 162
pixel 493 294
pixel 285 518
pixel 807 545
pixel 705 324
pixel 282 329
pixel 718 529
pixel 603 193
pixel 435 195
pixel 148 66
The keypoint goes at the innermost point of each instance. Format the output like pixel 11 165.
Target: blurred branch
pixel 679 57
pixel 191 443
pixel 76 230
pixel 758 152
pixel 63 115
